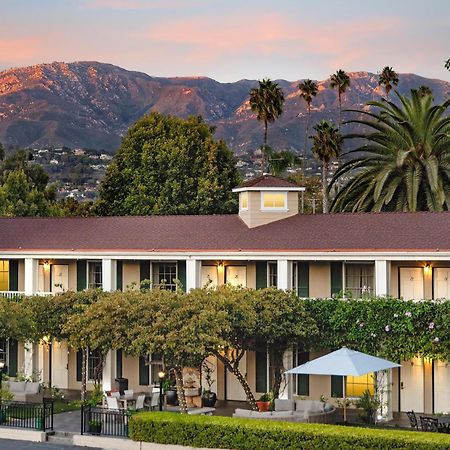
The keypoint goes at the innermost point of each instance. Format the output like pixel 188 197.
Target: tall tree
pixel 308 90
pixel 340 81
pixel 267 102
pixel 423 91
pixel 168 165
pixel 404 162
pixel 388 78
pixel 327 144
pixel 279 162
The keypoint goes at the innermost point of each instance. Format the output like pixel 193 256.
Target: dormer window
pixel 273 201
pixel 243 199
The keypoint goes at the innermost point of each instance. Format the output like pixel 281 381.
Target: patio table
pixel 125 399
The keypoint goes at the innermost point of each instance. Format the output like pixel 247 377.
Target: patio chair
pixel 112 403
pixel 140 402
pixel 154 401
pixel 413 420
pixel 115 394
pixel 429 424
pixel 128 392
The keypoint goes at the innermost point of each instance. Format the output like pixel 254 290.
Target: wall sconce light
pixel 46 265
pixel 220 266
pixel 427 268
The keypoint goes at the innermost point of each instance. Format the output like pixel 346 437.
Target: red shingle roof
pixel 265 181
pixel 321 232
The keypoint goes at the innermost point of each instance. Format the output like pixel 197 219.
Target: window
pixel 4 351
pixel 4 275
pixel 165 276
pixel 273 201
pixel 302 384
pixel 261 371
pixel 95 366
pixel 272 274
pixel 95 275
pixel 356 386
pixel 243 198
pixel 359 279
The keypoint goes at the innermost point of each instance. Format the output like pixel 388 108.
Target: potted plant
pixel 369 405
pixel 170 392
pixel 209 398
pixel 95 427
pixel 264 402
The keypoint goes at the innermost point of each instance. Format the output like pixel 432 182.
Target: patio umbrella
pixel 343 362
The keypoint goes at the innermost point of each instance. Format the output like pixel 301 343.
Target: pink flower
pixel 361 324
pixel 431 326
pixel 387 328
pixel 408 314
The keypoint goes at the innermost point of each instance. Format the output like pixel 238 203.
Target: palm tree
pixel 340 81
pixel 278 162
pixel 388 79
pixel 404 164
pixel 308 90
pixel 267 102
pixel 423 91
pixel 327 144
pixel 447 64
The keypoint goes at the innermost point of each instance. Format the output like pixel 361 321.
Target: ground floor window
pixel 95 275
pixel 95 366
pixel 359 279
pixel 4 275
pixel 302 381
pixel 261 371
pixel 356 386
pixel 165 276
pixel 272 274
pixel 4 351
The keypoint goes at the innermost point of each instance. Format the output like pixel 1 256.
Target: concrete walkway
pixel 67 421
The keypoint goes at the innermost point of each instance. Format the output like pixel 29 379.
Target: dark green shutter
pixel 13 355
pixel 336 386
pixel 182 274
pixel 303 279
pixel 261 275
pixel 144 372
pixel 261 371
pixel 119 363
pixel 336 277
pixel 302 380
pixel 81 276
pixel 13 275
pixel 144 272
pixel 119 276
pixel 79 364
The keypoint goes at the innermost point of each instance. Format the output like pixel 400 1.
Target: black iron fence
pixel 102 421
pixel 38 416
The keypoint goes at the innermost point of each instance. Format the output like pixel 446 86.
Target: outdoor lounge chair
pixel 140 402
pixel 112 403
pixel 413 420
pixel 429 424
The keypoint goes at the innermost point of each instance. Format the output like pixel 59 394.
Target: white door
pixel 236 275
pixel 412 386
pixel 60 278
pixel 60 364
pixel 411 283
pixel 41 278
pixel 441 387
pixel 234 388
pixel 441 282
pixel 209 276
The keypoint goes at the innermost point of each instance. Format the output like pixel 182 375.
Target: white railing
pixel 45 294
pixel 11 294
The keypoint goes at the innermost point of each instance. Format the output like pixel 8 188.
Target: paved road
pixel 8 444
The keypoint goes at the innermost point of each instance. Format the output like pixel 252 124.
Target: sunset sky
pixel 230 40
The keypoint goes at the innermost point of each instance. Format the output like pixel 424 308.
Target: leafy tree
pixel 70 207
pixel 308 90
pixel 423 91
pixel 2 152
pixel 168 165
pixel 404 164
pixel 388 79
pixel 327 144
pixel 340 81
pixel 267 102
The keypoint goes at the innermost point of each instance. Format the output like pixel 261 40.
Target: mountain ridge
pixel 91 104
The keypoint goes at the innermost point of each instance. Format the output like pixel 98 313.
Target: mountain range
pixel 91 105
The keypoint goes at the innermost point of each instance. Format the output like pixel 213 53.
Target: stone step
pixel 60 437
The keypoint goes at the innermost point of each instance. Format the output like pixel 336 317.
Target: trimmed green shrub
pixel 251 434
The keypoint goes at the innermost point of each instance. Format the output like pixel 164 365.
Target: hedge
pixel 251 434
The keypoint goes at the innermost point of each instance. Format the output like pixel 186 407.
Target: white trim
pixel 274 208
pixel 260 189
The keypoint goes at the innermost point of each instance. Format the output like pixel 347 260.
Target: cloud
pixel 138 4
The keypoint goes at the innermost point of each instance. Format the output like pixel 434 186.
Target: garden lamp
pixel 161 375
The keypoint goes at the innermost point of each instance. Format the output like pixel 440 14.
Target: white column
pixel 109 371
pixel 193 269
pixel 28 359
pixel 284 274
pixel 31 275
pixel 287 383
pixel 382 269
pixel 109 275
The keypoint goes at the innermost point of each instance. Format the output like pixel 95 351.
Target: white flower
pixel 408 314
pixel 395 315
pixel 387 328
pixel 436 339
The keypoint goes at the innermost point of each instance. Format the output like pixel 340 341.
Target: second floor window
pixel 4 275
pixel 273 201
pixel 95 275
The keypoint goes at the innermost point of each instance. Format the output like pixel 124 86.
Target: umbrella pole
pixel 344 379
